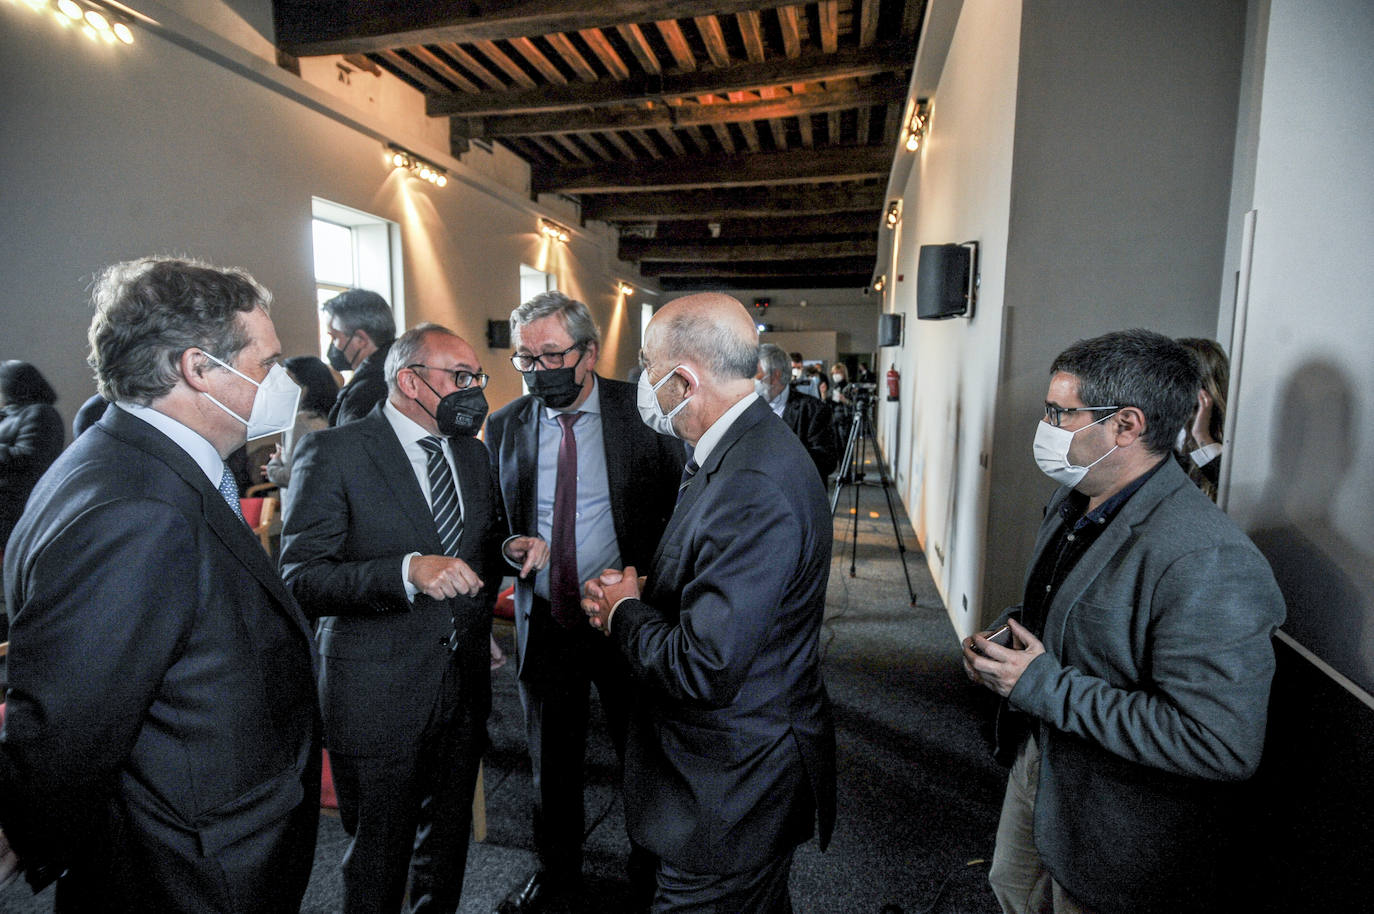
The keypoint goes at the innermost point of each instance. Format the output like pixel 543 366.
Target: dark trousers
pixel 412 811
pixel 757 891
pixel 555 690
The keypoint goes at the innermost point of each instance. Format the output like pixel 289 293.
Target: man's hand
pixel 443 576
pixel 9 862
pixel 530 551
pixel 604 591
pixel 1000 668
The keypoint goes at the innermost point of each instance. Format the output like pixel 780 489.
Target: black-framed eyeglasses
pixel 527 361
pixel 1056 414
pixel 461 379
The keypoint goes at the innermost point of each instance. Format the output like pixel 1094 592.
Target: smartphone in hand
pixel 1001 637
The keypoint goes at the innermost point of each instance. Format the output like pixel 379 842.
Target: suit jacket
pixel 363 391
pixel 813 422
pixel 30 439
pixel 357 511
pixel 162 738
pixel 731 753
pixel 642 469
pixel 1152 695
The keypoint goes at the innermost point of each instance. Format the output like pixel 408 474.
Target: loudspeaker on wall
pixel 889 330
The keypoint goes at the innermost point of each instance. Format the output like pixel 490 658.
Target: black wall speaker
pixel 498 334
pixel 889 330
pixel 944 281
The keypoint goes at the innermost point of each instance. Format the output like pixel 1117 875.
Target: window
pixel 355 251
pixel 534 282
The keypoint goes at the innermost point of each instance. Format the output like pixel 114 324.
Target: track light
pixel 625 289
pixel 554 231
pixel 894 214
pixel 425 170
pixel 96 19
pixel 879 283
pixel 917 125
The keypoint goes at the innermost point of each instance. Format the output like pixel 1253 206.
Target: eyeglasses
pixel 461 379
pixel 1056 414
pixel 527 361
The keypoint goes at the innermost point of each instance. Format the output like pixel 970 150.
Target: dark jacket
pixel 814 424
pixel 161 751
pixel 31 437
pixel 363 391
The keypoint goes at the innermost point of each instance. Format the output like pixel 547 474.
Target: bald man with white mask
pixel 731 753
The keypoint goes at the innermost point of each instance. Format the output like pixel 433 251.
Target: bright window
pixel 354 250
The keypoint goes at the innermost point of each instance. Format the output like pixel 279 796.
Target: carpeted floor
pixel 918 792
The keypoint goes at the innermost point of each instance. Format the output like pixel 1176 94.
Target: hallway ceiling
pixel 735 145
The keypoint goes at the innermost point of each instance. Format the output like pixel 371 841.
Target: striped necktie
pixel 689 471
pixel 443 496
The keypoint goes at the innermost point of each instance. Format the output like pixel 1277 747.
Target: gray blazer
pixel 1151 696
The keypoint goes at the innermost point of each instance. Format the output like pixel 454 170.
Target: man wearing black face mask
pixel 394 542
pixel 361 329
pixel 578 467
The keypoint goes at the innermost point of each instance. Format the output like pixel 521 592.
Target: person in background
pixel 730 761
pixel 1200 443
pixel 161 746
pixel 319 390
pixel 817 383
pixel 808 417
pixel 1135 674
pixel 864 376
pixel 31 437
pixel 361 328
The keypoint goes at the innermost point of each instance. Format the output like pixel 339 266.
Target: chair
pixel 260 510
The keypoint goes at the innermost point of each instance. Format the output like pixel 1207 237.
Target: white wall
pixel 1301 480
pixel 959 190
pixel 186 144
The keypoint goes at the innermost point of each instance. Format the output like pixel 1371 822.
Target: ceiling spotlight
pixel 894 214
pixel 917 125
pixel 625 289
pixel 123 33
pixel 880 283
pixel 71 9
pixel 97 21
pixel 441 180
pixel 397 157
pixel 554 231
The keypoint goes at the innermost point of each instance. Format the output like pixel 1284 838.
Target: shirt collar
pixel 407 429
pixel 779 402
pixel 1073 505
pixel 591 405
pixel 188 439
pixel 717 431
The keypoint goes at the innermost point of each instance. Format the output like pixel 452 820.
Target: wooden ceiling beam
pixel 744 283
pixel 775 227
pixel 714 38
pixel 828 11
pixel 741 203
pixel 789 20
pixel 818 267
pixel 851 63
pixel 309 28
pixel 851 163
pixel 605 52
pixel 699 252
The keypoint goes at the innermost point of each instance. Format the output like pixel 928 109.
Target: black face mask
pixel 461 413
pixel 554 387
pixel 337 360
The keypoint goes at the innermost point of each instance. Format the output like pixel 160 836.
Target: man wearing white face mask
pixel 730 759
pixel 1135 682
pixel 162 744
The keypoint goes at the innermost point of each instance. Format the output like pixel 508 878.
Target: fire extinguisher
pixel 894 381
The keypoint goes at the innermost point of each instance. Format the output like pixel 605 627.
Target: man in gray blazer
pixel 1140 659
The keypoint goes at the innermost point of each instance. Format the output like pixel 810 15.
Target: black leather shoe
pixel 540 893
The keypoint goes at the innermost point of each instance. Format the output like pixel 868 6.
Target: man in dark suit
pixel 578 467
pixel 809 417
pixel 731 753
pixel 394 542
pixel 361 328
pixel 161 748
pixel 1136 684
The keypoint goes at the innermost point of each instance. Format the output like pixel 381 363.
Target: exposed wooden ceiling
pixel 736 145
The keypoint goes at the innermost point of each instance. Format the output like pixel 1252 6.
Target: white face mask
pixel 274 405
pixel 1051 450
pixel 650 410
pixel 837 377
pixel 796 373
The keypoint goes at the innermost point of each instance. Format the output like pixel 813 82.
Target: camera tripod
pixel 851 474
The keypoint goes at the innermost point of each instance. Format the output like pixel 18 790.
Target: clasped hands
pixel 444 576
pixel 603 592
pixel 996 667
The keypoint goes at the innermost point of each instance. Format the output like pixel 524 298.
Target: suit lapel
pixel 525 472
pixel 616 410
pixel 473 483
pixel 392 464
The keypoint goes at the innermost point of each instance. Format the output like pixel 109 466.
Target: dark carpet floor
pixel 918 792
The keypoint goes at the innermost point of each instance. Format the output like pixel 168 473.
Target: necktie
pixel 229 488
pixel 443 496
pixel 688 472
pixel 563 582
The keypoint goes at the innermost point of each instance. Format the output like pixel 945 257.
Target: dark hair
pixel 359 309
pixel 21 384
pixel 1137 368
pixel 151 310
pixel 320 388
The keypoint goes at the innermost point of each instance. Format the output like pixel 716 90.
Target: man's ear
pixel 406 383
pixel 1129 425
pixel 194 368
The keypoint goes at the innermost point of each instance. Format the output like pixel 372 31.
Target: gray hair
pixel 774 360
pixel 710 343
pixel 151 310
pixel 407 348
pixel 577 319
pixel 1139 368
pixel 359 309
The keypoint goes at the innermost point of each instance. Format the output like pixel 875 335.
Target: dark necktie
pixel 443 495
pixel 229 488
pixel 688 472
pixel 563 582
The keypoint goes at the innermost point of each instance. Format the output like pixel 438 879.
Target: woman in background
pixel 31 437
pixel 1200 444
pixel 318 391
